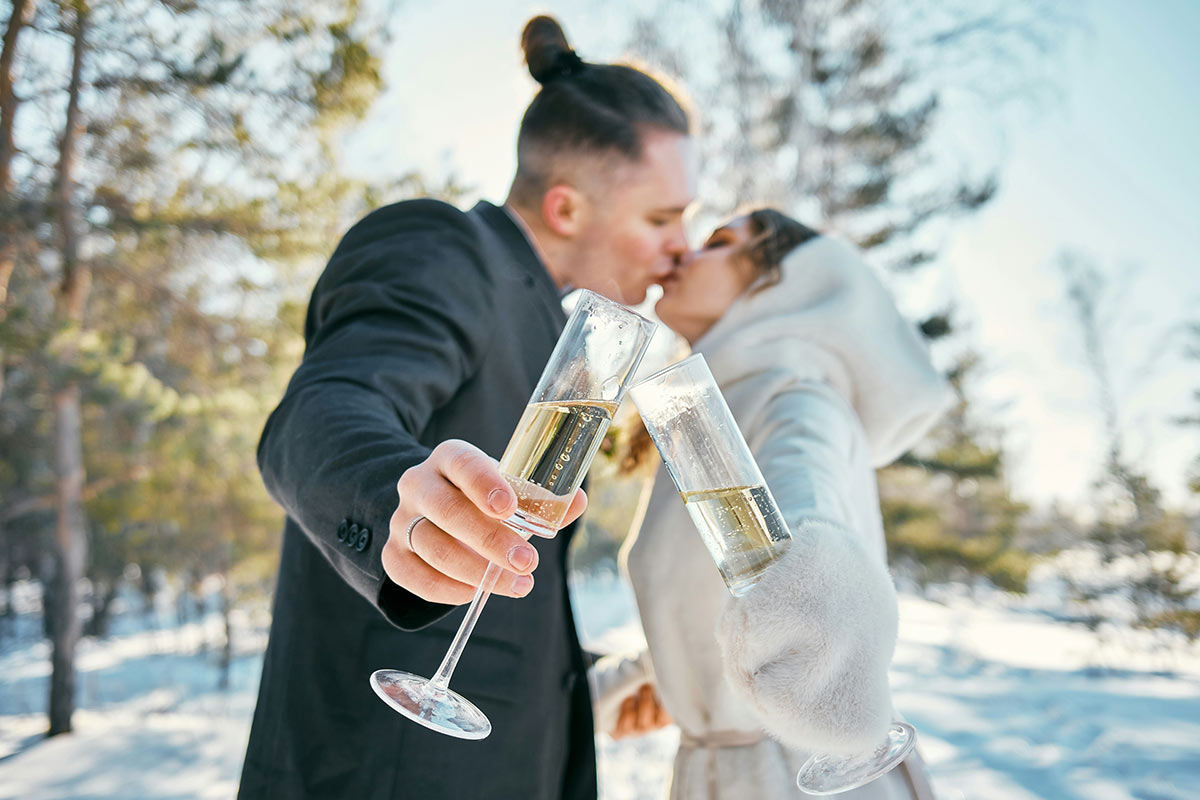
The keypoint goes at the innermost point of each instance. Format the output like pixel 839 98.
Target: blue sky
pixel 1111 169
pixel 1107 165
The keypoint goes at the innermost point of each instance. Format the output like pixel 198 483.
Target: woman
pixel 828 382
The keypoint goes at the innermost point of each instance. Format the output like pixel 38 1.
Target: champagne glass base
pixel 439 709
pixel 829 774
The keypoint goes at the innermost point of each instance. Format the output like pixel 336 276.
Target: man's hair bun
pixel 547 52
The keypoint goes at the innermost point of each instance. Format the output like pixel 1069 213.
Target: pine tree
pixel 1131 520
pixel 193 171
pixel 947 505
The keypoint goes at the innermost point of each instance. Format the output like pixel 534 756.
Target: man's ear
pixel 563 209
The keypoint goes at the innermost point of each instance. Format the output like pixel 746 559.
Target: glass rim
pixel 589 293
pixel 669 367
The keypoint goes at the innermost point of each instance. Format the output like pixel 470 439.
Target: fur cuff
pixel 809 646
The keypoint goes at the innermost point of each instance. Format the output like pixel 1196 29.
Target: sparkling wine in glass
pixel 743 530
pixel 548 455
pixel 727 498
pixel 545 462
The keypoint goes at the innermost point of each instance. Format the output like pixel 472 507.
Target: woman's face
pixel 707 282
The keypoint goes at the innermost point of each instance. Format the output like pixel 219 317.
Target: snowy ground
pixel 1010 703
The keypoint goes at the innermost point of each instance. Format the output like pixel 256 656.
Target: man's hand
pixel 641 713
pixel 463 497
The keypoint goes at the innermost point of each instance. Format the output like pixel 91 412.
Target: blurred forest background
pixel 172 180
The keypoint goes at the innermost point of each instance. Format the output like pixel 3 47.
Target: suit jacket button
pixel 352 535
pixel 343 529
pixel 364 540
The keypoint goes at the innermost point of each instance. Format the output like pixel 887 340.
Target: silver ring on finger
pixel 409 532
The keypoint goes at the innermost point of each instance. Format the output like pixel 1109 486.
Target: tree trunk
pixel 102 600
pixel 8 261
pixel 47 575
pixel 22 10
pixel 71 542
pixel 149 589
pixel 181 603
pixel 71 530
pixel 226 614
pixel 9 578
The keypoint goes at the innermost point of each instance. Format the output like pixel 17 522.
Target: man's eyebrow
pixel 672 210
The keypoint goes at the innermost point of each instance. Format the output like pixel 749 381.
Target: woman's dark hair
pixel 773 235
pixel 583 109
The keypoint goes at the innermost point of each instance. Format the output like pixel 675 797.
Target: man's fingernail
pixel 522 585
pixel 522 557
pixel 498 500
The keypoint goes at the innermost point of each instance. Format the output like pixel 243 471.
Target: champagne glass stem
pixel 441 678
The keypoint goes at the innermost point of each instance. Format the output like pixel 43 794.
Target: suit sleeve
pixel 397 323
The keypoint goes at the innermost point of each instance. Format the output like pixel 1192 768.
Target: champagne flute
pixel 728 500
pixel 545 462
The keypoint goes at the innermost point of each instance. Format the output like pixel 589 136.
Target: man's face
pixel 632 234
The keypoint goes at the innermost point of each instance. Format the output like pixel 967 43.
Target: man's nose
pixel 677 244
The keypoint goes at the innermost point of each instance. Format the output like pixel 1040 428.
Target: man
pixel 425 337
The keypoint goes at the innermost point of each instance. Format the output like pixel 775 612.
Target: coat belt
pixel 713 739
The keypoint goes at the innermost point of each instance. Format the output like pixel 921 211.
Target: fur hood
pixel 830 319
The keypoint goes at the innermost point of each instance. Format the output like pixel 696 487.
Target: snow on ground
pixel 1010 703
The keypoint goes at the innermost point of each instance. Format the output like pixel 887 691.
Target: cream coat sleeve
pixel 613 678
pixel 809 646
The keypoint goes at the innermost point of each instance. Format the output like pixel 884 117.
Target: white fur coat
pixel 827 382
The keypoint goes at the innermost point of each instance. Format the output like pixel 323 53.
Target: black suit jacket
pixel 427 324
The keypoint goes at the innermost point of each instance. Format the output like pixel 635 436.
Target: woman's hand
pixel 640 714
